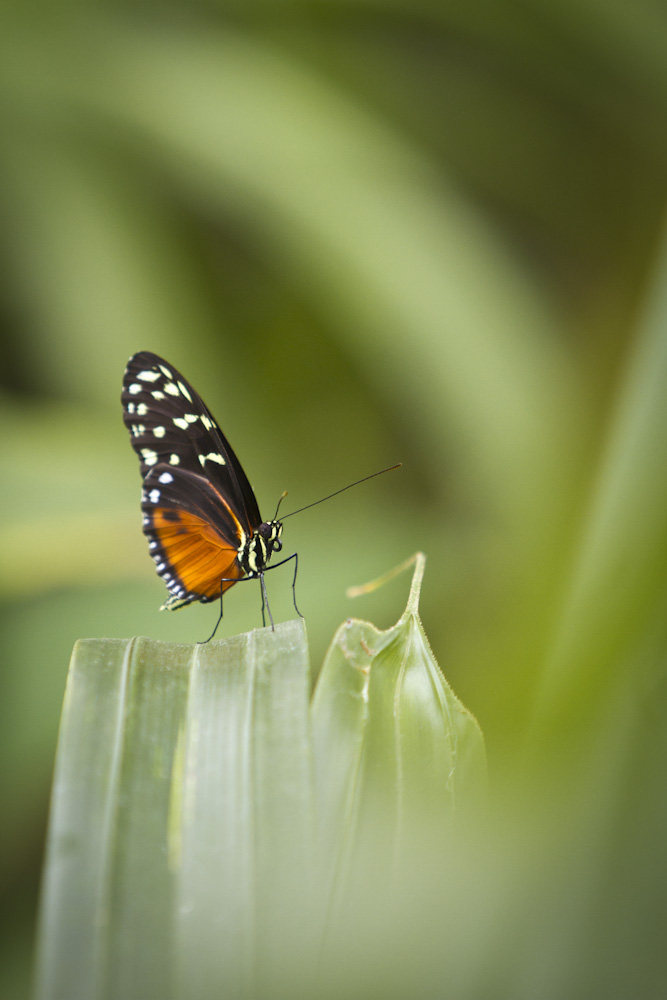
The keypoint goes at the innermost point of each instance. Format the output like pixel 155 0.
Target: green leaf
pixel 397 756
pixel 245 822
pixel 180 816
pixel 186 840
pixel 615 591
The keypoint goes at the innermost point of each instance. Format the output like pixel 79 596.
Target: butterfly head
pixel 271 531
pixel 256 552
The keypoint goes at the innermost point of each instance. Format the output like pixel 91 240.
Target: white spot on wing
pixel 149 456
pixel 148 376
pixel 142 409
pixel 171 388
pixel 154 496
pixel 191 418
pixel 159 432
pixel 180 422
pixel 212 456
pixel 184 390
pixel 174 459
pixel 157 394
pixel 207 422
pixel 138 430
pixel 165 477
pixel 130 407
pixel 134 388
pixel 165 371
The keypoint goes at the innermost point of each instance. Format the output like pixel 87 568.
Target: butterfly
pixel 200 515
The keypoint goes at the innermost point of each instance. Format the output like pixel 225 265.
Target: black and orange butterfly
pixel 200 514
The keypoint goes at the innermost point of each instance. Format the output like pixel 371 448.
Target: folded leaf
pixel 397 756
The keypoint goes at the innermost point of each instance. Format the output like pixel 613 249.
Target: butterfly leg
pixel 226 579
pixel 203 642
pixel 296 567
pixel 265 603
pixel 295 557
pixel 265 597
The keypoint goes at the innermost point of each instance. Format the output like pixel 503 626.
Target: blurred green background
pixel 367 233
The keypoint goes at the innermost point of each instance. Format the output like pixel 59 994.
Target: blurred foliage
pixel 367 232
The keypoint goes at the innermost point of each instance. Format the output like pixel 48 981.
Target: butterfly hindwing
pixel 193 534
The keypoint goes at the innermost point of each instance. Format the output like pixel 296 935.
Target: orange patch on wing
pixel 199 557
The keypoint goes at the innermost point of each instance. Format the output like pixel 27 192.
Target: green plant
pixel 209 833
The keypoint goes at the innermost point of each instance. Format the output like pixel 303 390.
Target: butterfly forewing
pixel 170 424
pixel 198 506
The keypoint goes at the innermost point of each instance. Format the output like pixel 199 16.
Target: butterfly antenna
pixel 282 497
pixel 349 487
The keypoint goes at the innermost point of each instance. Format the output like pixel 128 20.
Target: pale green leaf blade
pixel 181 813
pixel 108 889
pixel 247 820
pixel 70 954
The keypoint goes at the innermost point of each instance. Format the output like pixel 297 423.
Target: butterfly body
pixel 200 515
